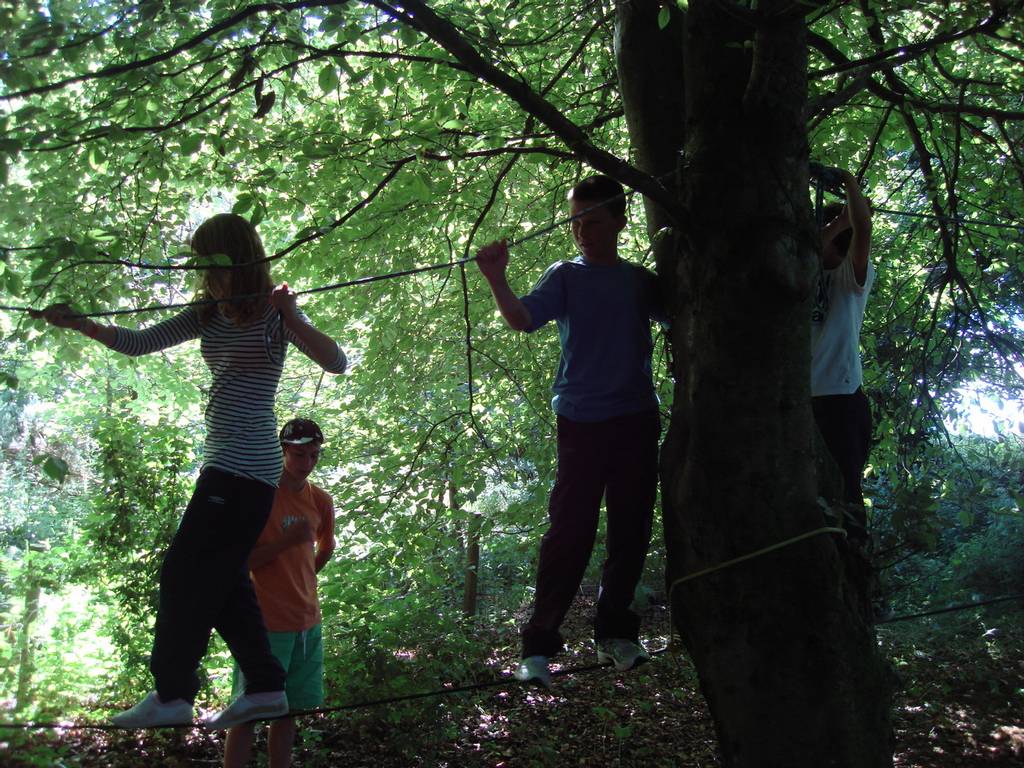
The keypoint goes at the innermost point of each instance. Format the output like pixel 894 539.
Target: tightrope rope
pixel 751 556
pixel 735 561
pixel 500 682
pixel 962 221
pixel 503 681
pixel 508 680
pixel 951 608
pixel 625 194
pixel 819 191
pixel 207 302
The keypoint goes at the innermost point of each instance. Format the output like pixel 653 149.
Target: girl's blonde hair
pixel 230 235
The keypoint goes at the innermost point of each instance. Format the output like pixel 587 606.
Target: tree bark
pixel 783 645
pixel 469 597
pixel 650 63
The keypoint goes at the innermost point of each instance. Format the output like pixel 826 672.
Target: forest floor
pixel 961 703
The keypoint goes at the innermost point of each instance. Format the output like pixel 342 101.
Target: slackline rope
pixel 950 609
pixel 205 302
pixel 957 219
pixel 825 178
pixel 742 558
pixel 750 556
pixel 498 682
pixel 819 184
pixel 346 283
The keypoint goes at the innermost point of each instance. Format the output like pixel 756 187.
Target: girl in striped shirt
pixel 243 328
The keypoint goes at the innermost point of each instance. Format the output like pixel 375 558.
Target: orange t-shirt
pixel 286 586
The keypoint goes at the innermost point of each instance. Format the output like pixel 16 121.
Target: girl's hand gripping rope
pixel 284 299
pixel 60 315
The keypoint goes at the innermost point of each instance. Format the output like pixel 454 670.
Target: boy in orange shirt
pixel 296 543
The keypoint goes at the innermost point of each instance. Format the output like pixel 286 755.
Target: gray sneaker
pixel 623 653
pixel 534 669
pixel 246 707
pixel 151 712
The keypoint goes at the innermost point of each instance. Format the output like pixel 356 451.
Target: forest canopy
pixel 362 139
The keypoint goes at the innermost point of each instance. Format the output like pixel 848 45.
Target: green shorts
pixel 302 656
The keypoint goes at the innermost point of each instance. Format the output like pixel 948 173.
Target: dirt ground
pixel 961 704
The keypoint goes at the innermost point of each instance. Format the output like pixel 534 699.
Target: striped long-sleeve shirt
pixel 246 363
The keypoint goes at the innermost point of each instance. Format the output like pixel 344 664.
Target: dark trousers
pixel 845 424
pixel 204 585
pixel 616 459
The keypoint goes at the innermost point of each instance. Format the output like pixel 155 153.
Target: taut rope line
pixel 335 286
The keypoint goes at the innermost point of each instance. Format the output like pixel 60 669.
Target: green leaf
pixel 66 248
pixel 664 17
pixel 313 148
pixel 420 188
pixel 243 204
pixel 328 79
pixel 307 231
pixel 191 144
pixel 10 380
pixel 42 271
pixel 210 260
pixel 332 21
pixel 96 160
pixel 53 467
pixel 257 215
pixel 13 283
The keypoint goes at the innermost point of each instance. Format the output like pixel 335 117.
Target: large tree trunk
pixel 783 645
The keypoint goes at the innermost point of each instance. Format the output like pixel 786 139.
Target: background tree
pixel 366 137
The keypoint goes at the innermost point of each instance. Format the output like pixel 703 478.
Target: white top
pixel 835 330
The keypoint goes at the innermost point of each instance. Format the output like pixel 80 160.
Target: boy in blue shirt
pixel 608 424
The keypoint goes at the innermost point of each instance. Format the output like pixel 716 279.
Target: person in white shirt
pixel 840 406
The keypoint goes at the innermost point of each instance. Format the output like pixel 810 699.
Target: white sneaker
pixel 623 653
pixel 151 712
pixel 247 707
pixel 534 669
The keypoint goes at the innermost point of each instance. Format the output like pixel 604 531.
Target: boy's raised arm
pixel 492 260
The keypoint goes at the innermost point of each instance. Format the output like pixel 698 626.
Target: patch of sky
pixel 982 411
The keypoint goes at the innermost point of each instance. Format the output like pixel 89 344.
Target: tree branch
pixel 907 53
pixel 117 69
pixel 897 98
pixel 418 15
